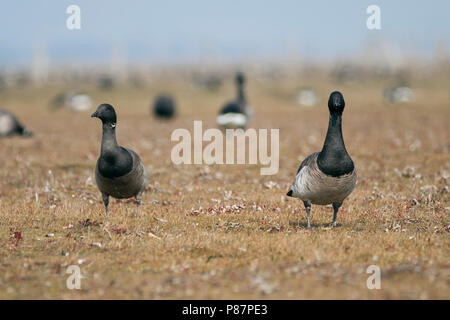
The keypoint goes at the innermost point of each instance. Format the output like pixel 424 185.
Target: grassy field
pixel 225 231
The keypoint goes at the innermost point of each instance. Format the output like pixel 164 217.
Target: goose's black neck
pixel 109 142
pixel 240 92
pixel 114 160
pixel 334 160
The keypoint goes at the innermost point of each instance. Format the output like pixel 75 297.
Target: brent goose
pixel 210 82
pixel 105 82
pixel 164 106
pixel 75 101
pixel 329 176
pixel 236 113
pixel 119 172
pixel 346 73
pixel 400 94
pixel 9 125
pixel 307 97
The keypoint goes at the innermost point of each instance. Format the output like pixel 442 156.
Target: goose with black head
pixel 164 106
pixel 9 125
pixel 235 114
pixel 328 176
pixel 119 172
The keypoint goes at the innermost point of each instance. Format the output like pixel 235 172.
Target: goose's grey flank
pixel 329 176
pixel 9 125
pixel 119 172
pixel 237 113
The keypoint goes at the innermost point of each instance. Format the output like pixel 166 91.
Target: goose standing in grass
pixel 400 94
pixel 9 125
pixel 164 106
pixel 75 101
pixel 119 172
pixel 307 97
pixel 106 82
pixel 329 176
pixel 235 114
pixel 210 82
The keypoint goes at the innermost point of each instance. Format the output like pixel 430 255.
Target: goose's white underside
pixel 6 124
pixel 314 186
pixel 231 120
pixel 79 102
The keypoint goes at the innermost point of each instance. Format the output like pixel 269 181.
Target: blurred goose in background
pixel 164 106
pixel 9 125
pixel 237 113
pixel 401 91
pixel 105 82
pixel 119 172
pixel 75 101
pixel 400 94
pixel 346 73
pixel 307 97
pixel 2 82
pixel 329 176
pixel 211 81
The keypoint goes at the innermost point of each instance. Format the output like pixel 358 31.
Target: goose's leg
pixel 106 202
pixel 138 202
pixel 336 207
pixel 308 210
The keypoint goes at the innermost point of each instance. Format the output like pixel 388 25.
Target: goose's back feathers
pixel 233 107
pixel 125 186
pixel 312 185
pixel 308 161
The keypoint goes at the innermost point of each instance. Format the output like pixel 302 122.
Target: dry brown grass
pixel 397 217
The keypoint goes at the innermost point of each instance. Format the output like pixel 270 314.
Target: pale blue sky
pixel 183 30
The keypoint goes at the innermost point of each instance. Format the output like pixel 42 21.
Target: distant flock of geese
pixel 323 178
